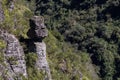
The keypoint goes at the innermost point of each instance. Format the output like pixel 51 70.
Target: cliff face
pixel 14 56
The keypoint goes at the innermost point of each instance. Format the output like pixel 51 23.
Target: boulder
pixel 37 29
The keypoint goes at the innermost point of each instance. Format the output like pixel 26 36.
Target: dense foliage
pixel 65 64
pixel 92 26
pixel 81 33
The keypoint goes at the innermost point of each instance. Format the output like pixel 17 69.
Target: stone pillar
pixel 42 63
pixel 37 33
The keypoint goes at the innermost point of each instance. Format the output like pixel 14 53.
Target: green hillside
pixel 83 37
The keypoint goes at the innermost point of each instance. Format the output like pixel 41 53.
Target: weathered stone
pixel 37 33
pixel 1 13
pixel 38 29
pixel 42 63
pixel 4 75
pixel 14 55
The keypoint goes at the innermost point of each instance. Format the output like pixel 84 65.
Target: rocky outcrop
pixel 37 33
pixel 1 13
pixel 38 29
pixel 14 56
pixel 5 73
pixel 42 63
pixel 14 64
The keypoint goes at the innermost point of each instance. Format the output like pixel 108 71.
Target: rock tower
pixel 37 33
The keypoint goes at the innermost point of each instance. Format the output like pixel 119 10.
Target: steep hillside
pixel 91 26
pixel 83 40
pixel 66 63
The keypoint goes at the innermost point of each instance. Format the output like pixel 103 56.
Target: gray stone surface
pixel 38 29
pixel 14 55
pixel 37 33
pixel 1 13
pixel 4 75
pixel 42 63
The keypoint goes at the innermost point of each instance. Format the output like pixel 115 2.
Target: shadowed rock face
pixel 37 29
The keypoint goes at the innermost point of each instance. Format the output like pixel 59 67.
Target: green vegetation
pixel 2 46
pixel 65 63
pixel 81 33
pixel 16 21
pixel 91 26
pixel 33 73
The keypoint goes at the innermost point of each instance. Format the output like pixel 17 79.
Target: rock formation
pixel 14 56
pixel 42 63
pixel 38 29
pixel 1 13
pixel 37 33
pixel 6 76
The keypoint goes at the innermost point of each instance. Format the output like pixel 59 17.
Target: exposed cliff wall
pixel 14 56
